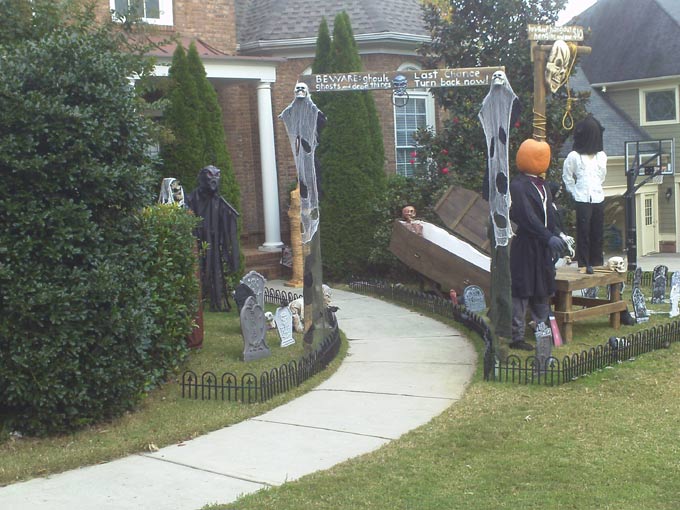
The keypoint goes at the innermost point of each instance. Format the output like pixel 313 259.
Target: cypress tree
pixel 211 129
pixel 350 174
pixel 182 154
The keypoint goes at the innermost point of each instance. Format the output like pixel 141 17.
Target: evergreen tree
pixel 469 33
pixel 211 129
pixel 182 153
pixel 322 60
pixel 352 177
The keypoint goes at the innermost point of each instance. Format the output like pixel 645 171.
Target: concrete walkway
pixel 402 369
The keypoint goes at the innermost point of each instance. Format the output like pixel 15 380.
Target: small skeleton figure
pixel 297 308
pixel 171 192
pixel 557 67
pixel 269 320
pixel 408 215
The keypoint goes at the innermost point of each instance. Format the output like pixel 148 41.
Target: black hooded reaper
pixel 218 233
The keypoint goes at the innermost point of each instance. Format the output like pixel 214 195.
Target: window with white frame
pixel 659 106
pixel 417 113
pixel 156 12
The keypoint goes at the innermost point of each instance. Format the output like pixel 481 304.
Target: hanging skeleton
pixel 171 192
pixel 303 119
pixel 498 109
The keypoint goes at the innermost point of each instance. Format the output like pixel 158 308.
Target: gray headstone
pixel 544 343
pixel 637 278
pixel 474 298
pixel 639 307
pixel 659 277
pixel 591 292
pixel 253 330
pixel 241 293
pixel 284 325
pixel 675 294
pixel 256 281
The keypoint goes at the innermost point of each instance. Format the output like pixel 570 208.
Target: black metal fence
pixel 530 370
pixel 249 388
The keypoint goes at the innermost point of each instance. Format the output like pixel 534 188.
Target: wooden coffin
pixel 466 214
pixel 451 262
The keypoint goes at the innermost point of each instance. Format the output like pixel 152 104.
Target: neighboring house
pixel 254 51
pixel 633 74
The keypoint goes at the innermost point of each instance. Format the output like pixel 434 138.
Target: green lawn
pixel 605 441
pixel 163 417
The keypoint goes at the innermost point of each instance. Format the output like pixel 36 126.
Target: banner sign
pixel 553 33
pixel 425 79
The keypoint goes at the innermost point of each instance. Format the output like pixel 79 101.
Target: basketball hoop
pixel 657 179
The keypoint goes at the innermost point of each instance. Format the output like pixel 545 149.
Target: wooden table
pixel 568 280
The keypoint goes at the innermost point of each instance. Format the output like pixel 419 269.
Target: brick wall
pixel 212 21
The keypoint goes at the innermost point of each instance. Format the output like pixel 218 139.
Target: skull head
pixel 556 68
pixel 177 191
pixel 408 213
pixel 399 84
pixel 617 264
pixel 499 78
pixel 301 90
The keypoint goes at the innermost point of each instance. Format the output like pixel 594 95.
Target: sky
pixel 573 8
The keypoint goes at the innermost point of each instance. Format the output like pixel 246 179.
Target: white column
pixel 270 183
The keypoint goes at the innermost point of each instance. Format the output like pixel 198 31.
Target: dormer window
pixel 155 12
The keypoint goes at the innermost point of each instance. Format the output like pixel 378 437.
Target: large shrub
pixel 170 268
pixel 75 303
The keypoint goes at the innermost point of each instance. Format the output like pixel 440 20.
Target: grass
pixel 163 417
pixel 606 441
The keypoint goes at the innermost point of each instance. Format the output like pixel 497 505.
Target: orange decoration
pixel 533 157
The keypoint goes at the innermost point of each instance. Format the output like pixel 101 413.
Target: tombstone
pixel 639 307
pixel 544 343
pixel 242 293
pixel 621 287
pixel 637 278
pixel 675 294
pixel 473 297
pixel 659 277
pixel 253 330
pixel 284 325
pixel 590 293
pixel 256 281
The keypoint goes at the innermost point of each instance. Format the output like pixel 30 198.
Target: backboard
pixel 651 155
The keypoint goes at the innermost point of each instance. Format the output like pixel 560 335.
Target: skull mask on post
pixel 498 78
pixel 301 90
pixel 617 264
pixel 556 70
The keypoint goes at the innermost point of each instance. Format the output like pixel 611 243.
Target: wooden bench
pixel 568 280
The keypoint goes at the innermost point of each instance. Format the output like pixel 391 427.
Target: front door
pixel 648 221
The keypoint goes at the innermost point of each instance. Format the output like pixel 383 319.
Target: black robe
pixel 531 263
pixel 218 229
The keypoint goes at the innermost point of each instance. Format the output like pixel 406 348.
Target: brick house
pixel 254 51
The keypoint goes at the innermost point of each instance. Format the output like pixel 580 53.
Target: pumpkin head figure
pixel 533 157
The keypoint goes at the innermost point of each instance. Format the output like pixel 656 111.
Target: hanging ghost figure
pixel 218 231
pixel 171 192
pixel 303 121
pixel 499 108
pixel 557 67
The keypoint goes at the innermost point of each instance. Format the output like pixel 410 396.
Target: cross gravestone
pixel 241 293
pixel 473 297
pixel 641 313
pixel 284 325
pixel 253 330
pixel 659 277
pixel 256 281
pixel 675 294
pixel 637 278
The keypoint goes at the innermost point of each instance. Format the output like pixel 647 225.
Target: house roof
pixel 618 127
pixel 263 22
pixel 631 40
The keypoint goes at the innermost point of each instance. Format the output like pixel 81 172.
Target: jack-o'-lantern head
pixel 533 157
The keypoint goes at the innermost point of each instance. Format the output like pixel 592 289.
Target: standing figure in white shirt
pixel 583 174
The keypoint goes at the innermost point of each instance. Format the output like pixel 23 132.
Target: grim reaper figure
pixel 218 232
pixel 499 110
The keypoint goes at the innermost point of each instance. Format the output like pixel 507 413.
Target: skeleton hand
pixel 570 243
